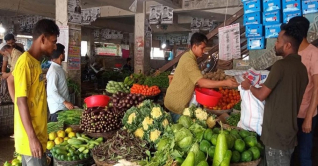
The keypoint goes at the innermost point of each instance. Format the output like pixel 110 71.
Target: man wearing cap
pixel 57 91
pixel 307 116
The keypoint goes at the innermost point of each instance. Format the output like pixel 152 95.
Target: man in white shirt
pixel 57 91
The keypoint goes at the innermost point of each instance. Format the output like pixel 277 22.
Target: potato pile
pixel 219 75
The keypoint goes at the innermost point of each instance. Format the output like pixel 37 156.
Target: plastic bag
pixel 252 111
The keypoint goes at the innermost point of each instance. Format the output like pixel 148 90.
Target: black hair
pixel 293 35
pixel 165 8
pixel 59 50
pixel 128 59
pixel 8 37
pixel 5 47
pixel 46 27
pixel 198 38
pixel 302 22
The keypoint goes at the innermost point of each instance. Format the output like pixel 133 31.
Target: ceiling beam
pixel 176 4
pixel 32 7
pixel 111 11
pixel 111 24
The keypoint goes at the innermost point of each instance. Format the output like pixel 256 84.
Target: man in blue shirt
pixel 57 91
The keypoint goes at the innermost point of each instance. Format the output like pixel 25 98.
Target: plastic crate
pixel 6 119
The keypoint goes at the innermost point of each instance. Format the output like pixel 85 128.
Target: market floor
pixel 7 149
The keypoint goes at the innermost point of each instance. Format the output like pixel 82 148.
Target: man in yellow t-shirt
pixel 187 76
pixel 30 106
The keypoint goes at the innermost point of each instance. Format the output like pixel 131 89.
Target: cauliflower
pixel 165 123
pixel 201 114
pixel 156 112
pixel 189 111
pixel 131 118
pixel 211 121
pixel 146 122
pixel 139 133
pixel 140 105
pixel 154 135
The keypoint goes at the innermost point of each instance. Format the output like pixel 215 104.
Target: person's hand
pixel 306 127
pixel 231 83
pixel 5 75
pixel 246 84
pixel 36 147
pixel 68 105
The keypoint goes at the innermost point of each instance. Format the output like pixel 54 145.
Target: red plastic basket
pixel 96 101
pixel 207 97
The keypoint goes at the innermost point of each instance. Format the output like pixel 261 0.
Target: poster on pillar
pixel 207 24
pixel 74 10
pixel 63 38
pixel 196 23
pixel 229 42
pixel 167 15
pixel 96 34
pixel 155 14
pixel 75 37
pixel 74 58
pixel 89 15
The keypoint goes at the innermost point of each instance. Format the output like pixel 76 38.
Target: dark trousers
pixel 53 117
pixel 305 142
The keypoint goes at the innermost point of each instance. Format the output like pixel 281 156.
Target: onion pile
pixel 100 120
pixel 123 101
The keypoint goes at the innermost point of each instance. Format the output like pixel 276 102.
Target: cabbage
pixel 197 130
pixel 176 127
pixel 185 142
pixel 185 121
pixel 182 133
pixel 162 144
pixel 199 155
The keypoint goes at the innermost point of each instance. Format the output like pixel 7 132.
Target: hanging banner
pixel 196 23
pixel 229 42
pixel 75 37
pixel 167 15
pixel 89 15
pixel 96 34
pixel 155 14
pixel 63 38
pixel 74 58
pixel 74 10
pixel 207 24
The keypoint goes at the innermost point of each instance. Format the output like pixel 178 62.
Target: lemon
pixel 50 145
pixel 68 130
pixel 61 133
pixel 19 157
pixel 66 138
pixel 52 136
pixel 71 134
pixel 58 140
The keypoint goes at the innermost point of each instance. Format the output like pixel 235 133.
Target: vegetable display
pixel 233 119
pixel 230 97
pixel 122 101
pixel 114 87
pixel 70 117
pixel 75 148
pixel 55 126
pixel 134 79
pixel 100 120
pixel 145 90
pixel 219 75
pixel 238 106
pixel 161 80
pixel 147 121
pixel 200 115
pixel 122 146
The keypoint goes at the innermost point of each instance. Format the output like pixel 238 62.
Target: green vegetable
pixel 250 141
pixel 227 158
pixel 197 130
pixel 214 139
pixel 208 134
pixel 185 121
pixel 189 161
pixel 55 126
pixel 199 155
pixel 220 149
pixel 162 144
pixel 247 156
pixel 203 163
pixel 239 145
pixel 234 131
pixel 233 119
pixel 211 152
pixel 236 156
pixel 260 146
pixel 204 146
pixel 70 117
pixel 237 106
pixel 216 130
pixel 244 133
pixel 179 160
pixel 185 142
pixel 176 127
pixel 230 140
pixel 256 153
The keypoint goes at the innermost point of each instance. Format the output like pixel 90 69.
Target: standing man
pixel 307 116
pixel 57 91
pixel 10 40
pixel 30 106
pixel 283 92
pixel 187 75
pixel 78 8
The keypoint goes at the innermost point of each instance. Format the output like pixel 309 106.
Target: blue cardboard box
pixel 272 31
pixel 310 6
pixel 252 18
pixel 291 5
pixel 255 43
pixel 273 17
pixel 254 30
pixel 270 5
pixel 252 6
pixel 288 15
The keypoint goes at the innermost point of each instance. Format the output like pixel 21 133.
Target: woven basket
pixel 107 135
pixel 101 163
pixel 84 162
pixel 251 163
pixel 75 128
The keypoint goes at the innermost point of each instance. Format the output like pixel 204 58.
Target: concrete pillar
pixel 142 44
pixel 72 63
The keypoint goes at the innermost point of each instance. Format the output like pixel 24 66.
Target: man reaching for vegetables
pixel 57 91
pixel 187 75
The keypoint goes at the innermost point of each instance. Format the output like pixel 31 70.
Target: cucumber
pixel 61 151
